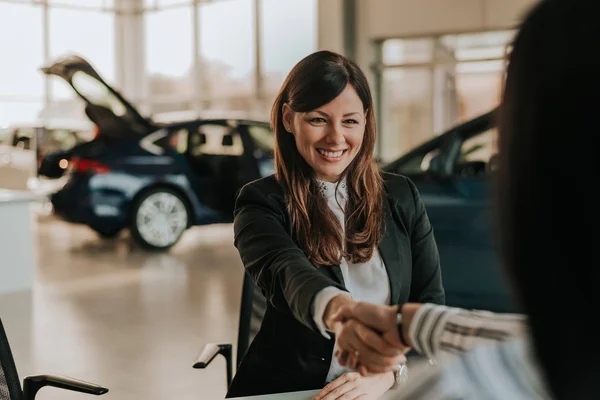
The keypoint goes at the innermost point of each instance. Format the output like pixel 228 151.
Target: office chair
pixel 10 386
pixel 252 311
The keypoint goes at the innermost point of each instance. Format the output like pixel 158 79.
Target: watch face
pixel 402 374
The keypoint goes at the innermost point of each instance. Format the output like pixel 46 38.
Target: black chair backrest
pixel 252 311
pixel 10 386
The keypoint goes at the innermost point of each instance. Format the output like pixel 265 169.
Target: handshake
pixel 368 336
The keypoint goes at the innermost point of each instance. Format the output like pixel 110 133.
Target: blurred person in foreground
pixel 329 228
pixel 547 218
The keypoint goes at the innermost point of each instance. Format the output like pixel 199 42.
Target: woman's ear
pixel 287 117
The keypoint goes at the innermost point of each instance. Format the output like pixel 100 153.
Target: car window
pixel 418 163
pixel 264 139
pixel 476 153
pixel 215 139
pixel 480 147
pixel 177 140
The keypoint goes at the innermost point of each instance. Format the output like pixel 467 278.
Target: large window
pixel 90 4
pixel 198 54
pixel 149 4
pixel 407 112
pixel 169 56
pixel 89 34
pixel 227 54
pixel 224 77
pixel 430 84
pixel 288 34
pixel 16 112
pixel 21 83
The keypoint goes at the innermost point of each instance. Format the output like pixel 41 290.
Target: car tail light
pixel 84 166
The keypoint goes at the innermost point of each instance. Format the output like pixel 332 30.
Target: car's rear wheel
pixel 159 218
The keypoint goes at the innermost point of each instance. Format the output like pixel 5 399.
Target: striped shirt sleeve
pixel 481 355
pixel 504 370
pixel 437 330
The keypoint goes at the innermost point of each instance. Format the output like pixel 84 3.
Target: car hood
pixel 105 106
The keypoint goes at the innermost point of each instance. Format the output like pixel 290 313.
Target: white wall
pixel 387 18
pixel 330 30
pixel 378 19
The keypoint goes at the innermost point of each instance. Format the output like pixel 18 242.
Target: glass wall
pixel 169 37
pixel 199 54
pixel 32 36
pixel 430 84
pixel 288 34
pixel 87 33
pixel 207 59
pixel 21 83
pixel 228 71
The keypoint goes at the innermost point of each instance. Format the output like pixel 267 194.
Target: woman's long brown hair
pixel 313 82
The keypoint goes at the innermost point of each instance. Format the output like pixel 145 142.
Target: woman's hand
pixel 334 307
pixel 352 385
pixel 360 348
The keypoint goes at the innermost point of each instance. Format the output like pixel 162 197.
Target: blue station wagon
pixel 157 179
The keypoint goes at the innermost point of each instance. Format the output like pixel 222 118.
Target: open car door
pixel 105 106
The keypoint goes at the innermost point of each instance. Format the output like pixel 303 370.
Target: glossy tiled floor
pixel 107 312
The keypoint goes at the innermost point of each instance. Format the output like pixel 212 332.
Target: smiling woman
pixel 327 229
pixel 324 125
pixel 329 138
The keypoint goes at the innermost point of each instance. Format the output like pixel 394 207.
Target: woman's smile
pixel 331 155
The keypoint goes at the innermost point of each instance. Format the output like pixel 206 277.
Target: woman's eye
pixel 317 120
pixel 351 121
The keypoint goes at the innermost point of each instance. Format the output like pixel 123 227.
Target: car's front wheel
pixel 159 218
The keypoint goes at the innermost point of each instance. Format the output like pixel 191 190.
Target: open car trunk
pixel 114 116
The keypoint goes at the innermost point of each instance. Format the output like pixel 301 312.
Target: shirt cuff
pixel 426 328
pixel 319 305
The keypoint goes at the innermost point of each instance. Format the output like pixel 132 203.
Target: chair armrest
pixel 209 352
pixel 32 384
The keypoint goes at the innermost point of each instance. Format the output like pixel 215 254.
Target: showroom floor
pixel 107 312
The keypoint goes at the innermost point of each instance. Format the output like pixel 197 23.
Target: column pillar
pixel 130 57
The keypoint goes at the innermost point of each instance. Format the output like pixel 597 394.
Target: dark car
pixel 155 179
pixel 452 174
pixel 53 160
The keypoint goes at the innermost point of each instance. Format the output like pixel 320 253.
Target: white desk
pixel 304 395
pixel 17 240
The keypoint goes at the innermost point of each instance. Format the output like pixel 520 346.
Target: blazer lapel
pixel 334 272
pixel 389 251
pixel 337 272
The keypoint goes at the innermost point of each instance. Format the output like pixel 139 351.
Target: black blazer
pixel 288 353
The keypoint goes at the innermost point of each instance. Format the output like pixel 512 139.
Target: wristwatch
pixel 400 330
pixel 400 375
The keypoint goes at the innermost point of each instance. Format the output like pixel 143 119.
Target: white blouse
pixel 366 281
